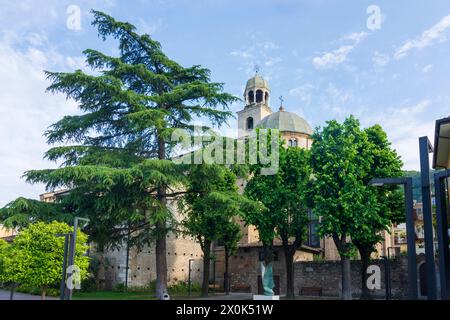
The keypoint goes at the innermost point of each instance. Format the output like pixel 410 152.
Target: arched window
pixel 250 123
pixel 259 96
pixel 293 142
pixel 266 98
pixel 251 97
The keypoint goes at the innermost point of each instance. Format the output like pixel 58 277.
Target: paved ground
pixel 4 295
pixel 231 296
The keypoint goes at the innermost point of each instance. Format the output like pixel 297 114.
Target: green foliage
pixel 182 288
pixel 114 152
pixel 344 159
pixel 230 237
pixel 22 212
pixel 283 196
pixel 35 258
pixel 211 201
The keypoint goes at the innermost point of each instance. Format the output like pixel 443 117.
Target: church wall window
pixel 251 97
pixel 250 123
pixel 313 234
pixel 293 143
pixel 259 96
pixel 266 98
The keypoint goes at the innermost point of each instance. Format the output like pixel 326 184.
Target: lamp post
pixel 62 287
pixel 442 231
pixel 390 277
pixel 410 230
pixel 387 274
pixel 425 149
pixel 73 242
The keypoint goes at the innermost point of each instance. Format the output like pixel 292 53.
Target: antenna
pixel 256 68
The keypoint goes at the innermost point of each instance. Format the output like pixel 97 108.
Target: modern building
pixel 441 160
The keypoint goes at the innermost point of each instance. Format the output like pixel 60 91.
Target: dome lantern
pixel 257 91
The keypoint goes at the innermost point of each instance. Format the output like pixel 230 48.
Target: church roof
pixel 285 121
pixel 257 82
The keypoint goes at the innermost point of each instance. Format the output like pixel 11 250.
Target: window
pixel 251 97
pixel 250 123
pixel 293 142
pixel 259 96
pixel 313 237
pixel 266 98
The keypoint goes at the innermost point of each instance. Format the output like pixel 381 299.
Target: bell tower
pixel 256 97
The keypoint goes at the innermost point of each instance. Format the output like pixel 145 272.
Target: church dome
pixel 257 82
pixel 285 122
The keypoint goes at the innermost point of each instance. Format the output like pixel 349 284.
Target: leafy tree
pixel 341 159
pixel 22 212
pixel 35 258
pixel 115 153
pixel 284 197
pixel 211 202
pixel 389 199
pixel 4 246
pixel 230 237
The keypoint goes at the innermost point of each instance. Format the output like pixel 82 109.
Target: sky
pixel 385 62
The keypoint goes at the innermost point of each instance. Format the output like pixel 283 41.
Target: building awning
pixel 442 144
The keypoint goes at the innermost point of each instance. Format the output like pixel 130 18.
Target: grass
pixel 126 295
pixel 113 295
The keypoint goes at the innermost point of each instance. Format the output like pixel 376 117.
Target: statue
pixel 267 278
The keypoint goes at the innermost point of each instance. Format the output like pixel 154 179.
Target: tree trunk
pixel 206 265
pixel 161 261
pixel 13 288
pixel 161 231
pixel 226 276
pixel 346 271
pixel 289 258
pixel 43 292
pixel 365 261
pixel 100 276
pixel 346 278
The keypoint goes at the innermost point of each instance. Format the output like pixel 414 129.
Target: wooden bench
pixel 311 291
pixel 245 288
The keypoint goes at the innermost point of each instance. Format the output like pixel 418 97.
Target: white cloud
pixel 261 53
pixel 271 61
pixel 26 111
pixel 333 58
pixel 303 92
pixel 380 60
pixel 427 68
pixel 357 37
pixel 150 28
pixel 337 94
pixel 404 125
pixel 428 38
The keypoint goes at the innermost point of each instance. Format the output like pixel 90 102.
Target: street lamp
pixel 73 242
pixel 387 275
pixel 425 149
pixel 62 288
pixel 442 231
pixel 410 230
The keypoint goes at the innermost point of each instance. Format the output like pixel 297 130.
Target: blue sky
pixel 320 55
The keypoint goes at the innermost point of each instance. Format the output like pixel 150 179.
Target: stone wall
pixel 327 275
pixel 142 263
pixel 245 269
